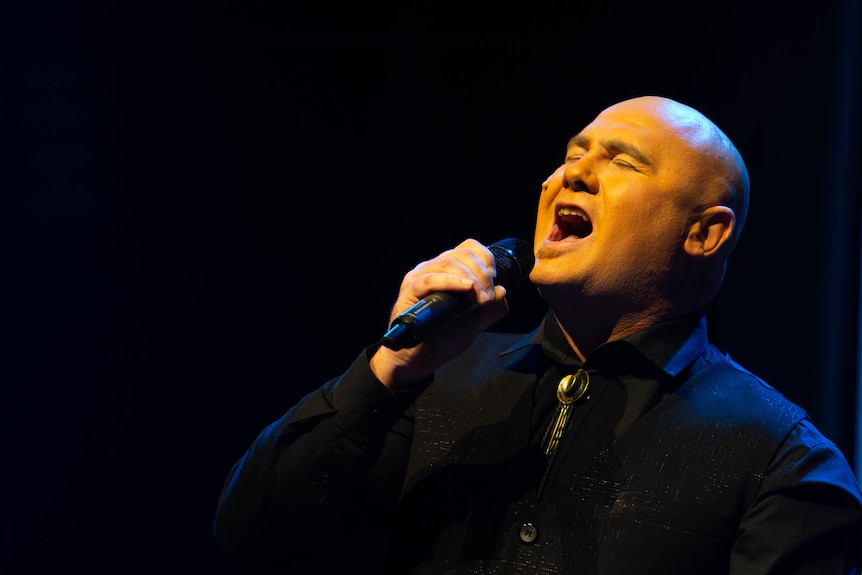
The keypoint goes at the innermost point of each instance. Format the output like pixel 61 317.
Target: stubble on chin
pixel 546 252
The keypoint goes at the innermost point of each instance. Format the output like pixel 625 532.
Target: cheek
pixel 648 228
pixel 637 211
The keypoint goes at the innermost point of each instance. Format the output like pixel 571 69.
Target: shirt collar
pixel 673 345
pixel 670 346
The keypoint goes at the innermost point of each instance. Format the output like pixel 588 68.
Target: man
pixel 612 439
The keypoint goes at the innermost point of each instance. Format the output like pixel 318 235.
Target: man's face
pixel 613 217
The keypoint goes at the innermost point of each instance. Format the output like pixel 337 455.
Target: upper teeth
pixel 567 211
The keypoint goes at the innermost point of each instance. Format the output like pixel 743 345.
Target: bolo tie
pixel 571 388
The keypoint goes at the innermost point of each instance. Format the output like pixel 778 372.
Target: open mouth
pixel 572 222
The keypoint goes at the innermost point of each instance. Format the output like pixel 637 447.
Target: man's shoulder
pixel 725 390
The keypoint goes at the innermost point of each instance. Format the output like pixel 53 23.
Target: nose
pixel 576 176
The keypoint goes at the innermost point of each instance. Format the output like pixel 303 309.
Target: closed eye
pixel 618 148
pixel 624 164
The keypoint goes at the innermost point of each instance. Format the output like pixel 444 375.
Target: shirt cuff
pixel 367 406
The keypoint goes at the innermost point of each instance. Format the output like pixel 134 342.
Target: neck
pixel 587 329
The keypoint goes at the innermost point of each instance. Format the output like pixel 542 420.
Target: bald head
pixel 723 172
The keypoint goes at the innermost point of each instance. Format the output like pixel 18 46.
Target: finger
pixel 474 261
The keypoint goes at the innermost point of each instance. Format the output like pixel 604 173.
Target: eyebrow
pixel 613 145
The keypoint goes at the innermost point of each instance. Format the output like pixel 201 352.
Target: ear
pixel 712 229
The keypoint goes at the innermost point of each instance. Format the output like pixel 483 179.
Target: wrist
pixel 394 371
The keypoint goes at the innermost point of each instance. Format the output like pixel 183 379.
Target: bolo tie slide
pixel 570 389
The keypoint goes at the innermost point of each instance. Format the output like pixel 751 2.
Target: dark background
pixel 209 206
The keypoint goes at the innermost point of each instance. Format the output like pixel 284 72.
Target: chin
pixel 547 273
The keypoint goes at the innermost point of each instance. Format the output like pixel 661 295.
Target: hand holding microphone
pixel 513 259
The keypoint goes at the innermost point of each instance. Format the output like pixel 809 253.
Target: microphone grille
pixel 514 260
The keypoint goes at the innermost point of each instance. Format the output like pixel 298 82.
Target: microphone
pixel 513 258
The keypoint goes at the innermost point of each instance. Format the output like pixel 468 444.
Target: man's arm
pixel 807 516
pixel 329 470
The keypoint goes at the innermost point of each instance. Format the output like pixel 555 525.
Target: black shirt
pixel 321 488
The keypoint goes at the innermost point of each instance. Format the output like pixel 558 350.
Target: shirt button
pixel 528 533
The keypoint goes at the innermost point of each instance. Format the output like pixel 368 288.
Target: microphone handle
pixel 411 326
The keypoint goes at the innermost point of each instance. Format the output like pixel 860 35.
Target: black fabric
pixel 680 461
pixel 674 451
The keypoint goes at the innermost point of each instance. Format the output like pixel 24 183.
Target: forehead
pixel 637 121
pixel 655 129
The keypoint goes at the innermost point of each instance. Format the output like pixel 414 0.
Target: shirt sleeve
pixel 330 468
pixel 807 515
